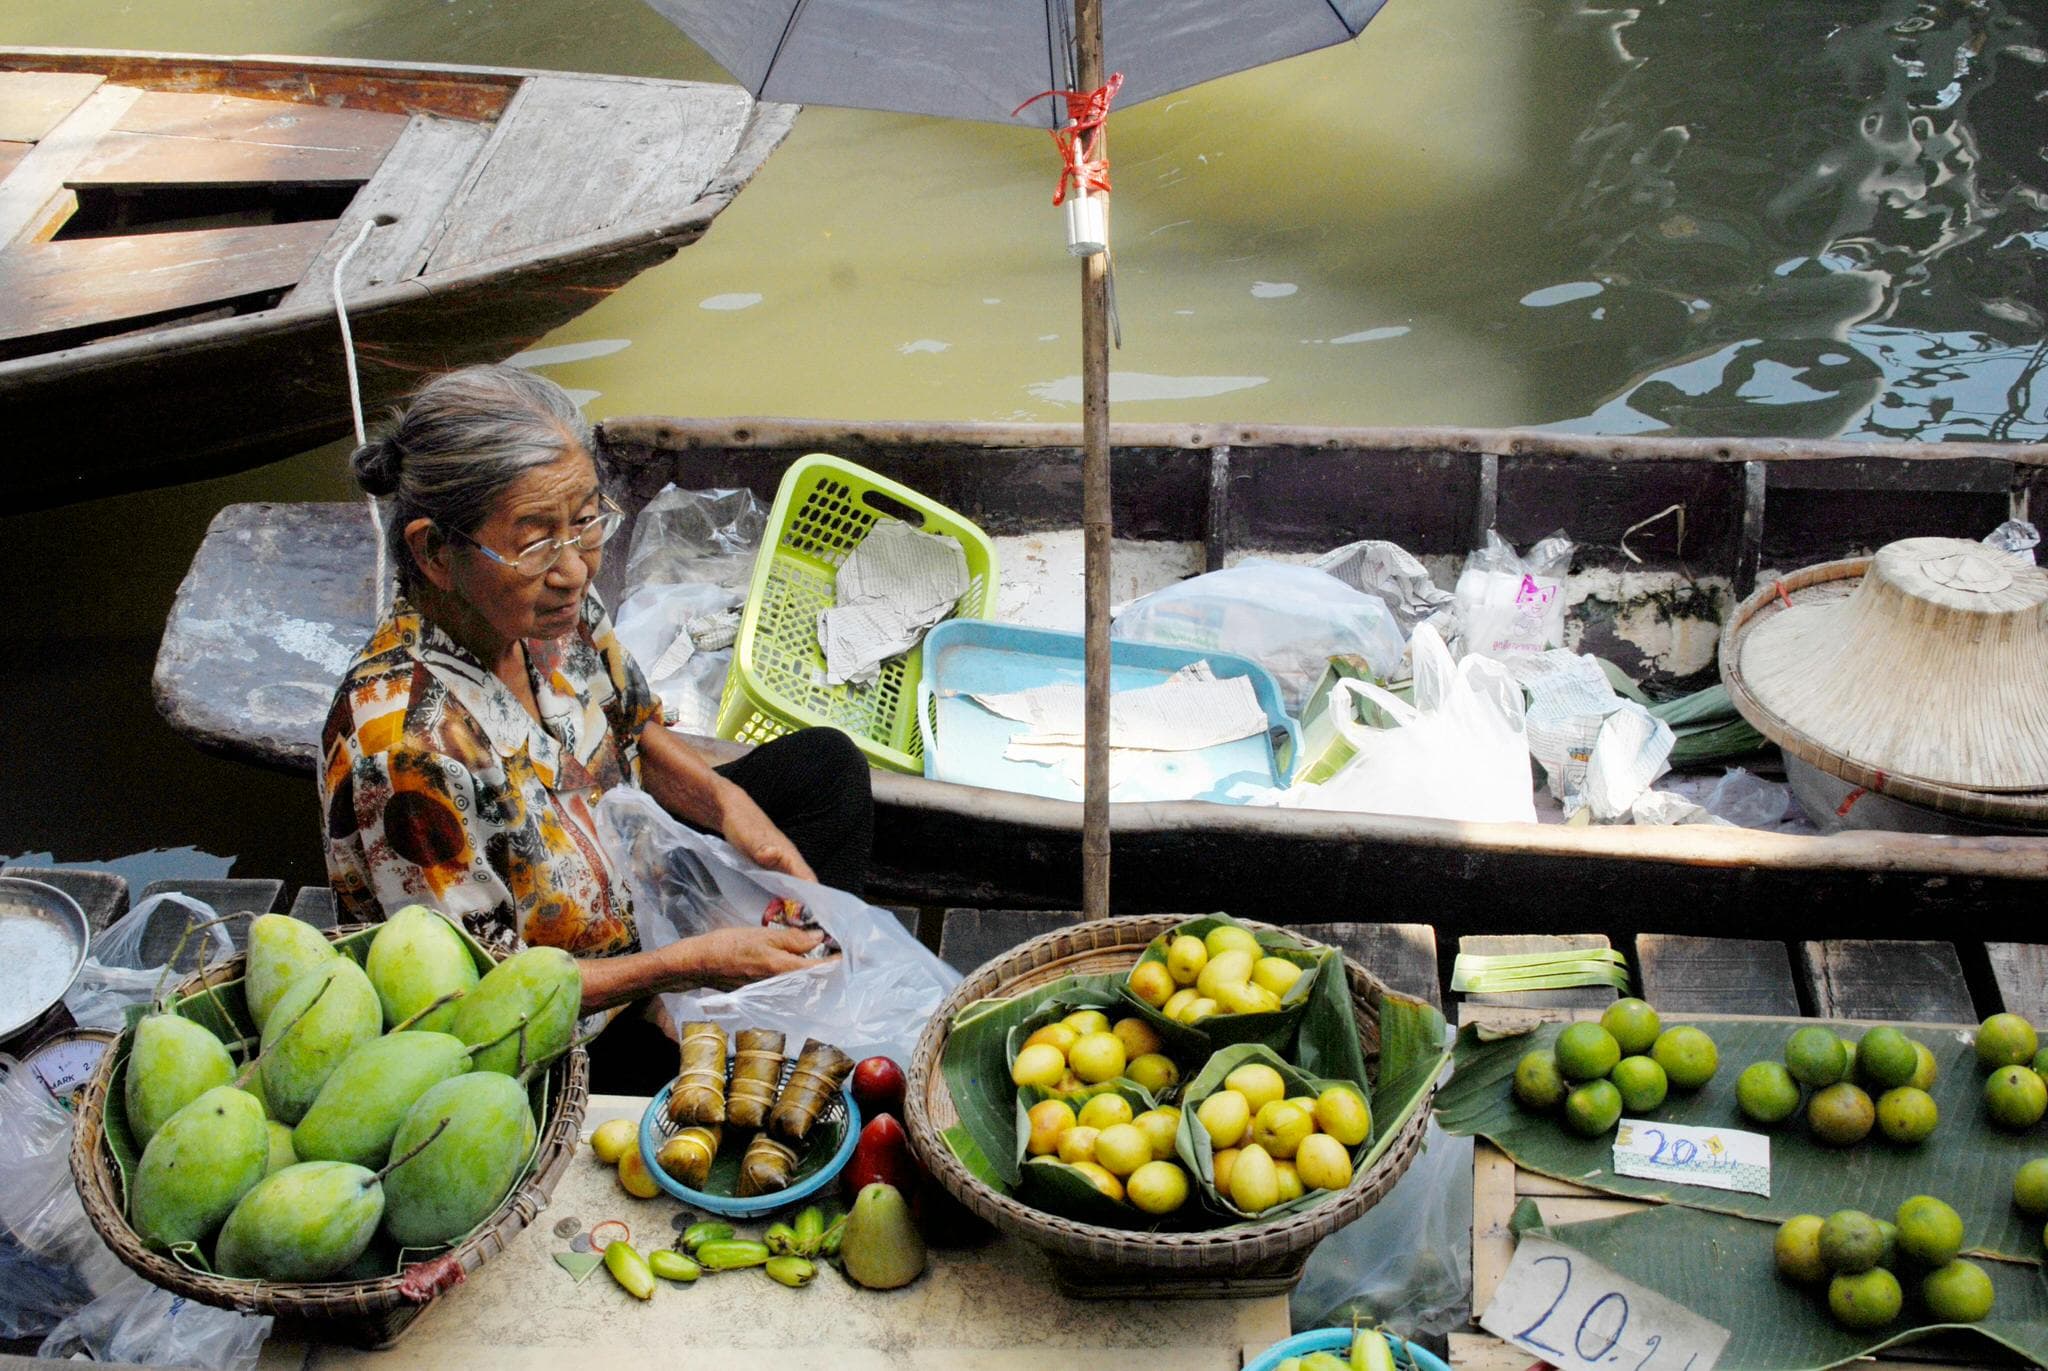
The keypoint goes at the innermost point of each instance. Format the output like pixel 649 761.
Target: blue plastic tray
pixel 964 742
pixel 1336 1340
pixel 655 1129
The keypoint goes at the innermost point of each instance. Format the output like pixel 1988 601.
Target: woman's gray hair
pixel 464 439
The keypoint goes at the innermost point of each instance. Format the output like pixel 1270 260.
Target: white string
pixel 1664 513
pixel 355 403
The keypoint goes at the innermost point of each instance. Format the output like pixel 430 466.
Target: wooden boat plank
pixel 224 895
pixel 412 188
pixel 314 904
pixel 26 196
pixel 172 138
pixel 1402 955
pixel 1687 975
pixel 2020 971
pixel 102 895
pixel 623 149
pixel 1919 982
pixel 11 155
pixel 34 102
pixel 1501 944
pixel 53 288
pixel 971 937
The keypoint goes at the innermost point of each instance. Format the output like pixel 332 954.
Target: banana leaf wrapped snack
pixel 687 1157
pixel 756 1072
pixel 767 1166
pixel 699 1093
pixel 821 1069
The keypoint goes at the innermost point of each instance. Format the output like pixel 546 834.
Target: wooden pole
pixel 1095 515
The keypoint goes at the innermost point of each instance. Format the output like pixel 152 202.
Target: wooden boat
pixel 279 598
pixel 170 228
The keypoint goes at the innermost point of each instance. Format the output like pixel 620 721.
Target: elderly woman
pixel 471 738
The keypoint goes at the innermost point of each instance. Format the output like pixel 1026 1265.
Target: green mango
pixel 360 1107
pixel 326 1014
pixel 542 985
pixel 282 1154
pixel 281 949
pixel 203 1160
pixel 305 1223
pixel 172 1063
pixel 416 958
pixel 464 1174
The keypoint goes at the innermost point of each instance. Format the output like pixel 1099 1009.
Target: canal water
pixel 1738 217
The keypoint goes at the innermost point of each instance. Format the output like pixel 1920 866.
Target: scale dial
pixel 65 1061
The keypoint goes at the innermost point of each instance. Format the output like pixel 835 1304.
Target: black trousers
pixel 813 785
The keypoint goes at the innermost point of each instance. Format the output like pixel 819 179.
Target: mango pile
pixel 1627 1061
pixel 389 1100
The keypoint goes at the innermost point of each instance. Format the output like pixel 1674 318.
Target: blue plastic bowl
pixel 1336 1340
pixel 652 1137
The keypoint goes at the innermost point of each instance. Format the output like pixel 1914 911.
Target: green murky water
pixel 1715 218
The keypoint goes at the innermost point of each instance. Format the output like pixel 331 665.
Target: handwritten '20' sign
pixel 1562 1306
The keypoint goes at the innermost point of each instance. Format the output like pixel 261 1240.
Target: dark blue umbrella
pixel 991 60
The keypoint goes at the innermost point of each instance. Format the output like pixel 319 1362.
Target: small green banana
pixel 791 1271
pixel 673 1266
pixel 1370 1352
pixel 703 1231
pixel 781 1240
pixel 732 1254
pixel 630 1270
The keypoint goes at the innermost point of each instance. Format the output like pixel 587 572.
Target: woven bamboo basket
pixel 372 1313
pixel 1095 1262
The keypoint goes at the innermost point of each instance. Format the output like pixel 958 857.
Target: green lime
pixel 1888 1257
pixel 1885 1058
pixel 1593 1108
pixel 1798 1249
pixel 1848 1059
pixel 1841 1115
pixel 2005 1040
pixel 1538 1086
pixel 1816 1057
pixel 1868 1300
pixel 2030 1187
pixel 2041 1063
pixel 1850 1241
pixel 1687 1055
pixel 1907 1115
pixel 2015 1096
pixel 1958 1292
pixel 1586 1052
pixel 1766 1092
pixel 1930 1232
pixel 1634 1024
pixel 1925 1073
pixel 1642 1083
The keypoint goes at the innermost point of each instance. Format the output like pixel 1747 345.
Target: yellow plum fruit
pixel 1276 974
pixel 1040 1064
pixel 1097 1057
pixel 1229 938
pixel 1279 1127
pixel 1104 1110
pixel 1153 1071
pixel 1138 1037
pixel 1259 1083
pixel 1323 1163
pixel 1254 1180
pixel 1077 1145
pixel 1152 983
pixel 1185 958
pixel 1228 1117
pixel 1049 1120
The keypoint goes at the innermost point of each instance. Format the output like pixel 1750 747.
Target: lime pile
pixel 1861 1258
pixel 1843 1077
pixel 1626 1062
pixel 2015 1093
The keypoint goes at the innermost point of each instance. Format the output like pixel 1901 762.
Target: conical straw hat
pixel 1921 671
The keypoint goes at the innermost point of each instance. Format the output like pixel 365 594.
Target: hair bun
pixel 376 465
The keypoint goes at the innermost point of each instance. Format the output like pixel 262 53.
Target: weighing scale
pixel 43 941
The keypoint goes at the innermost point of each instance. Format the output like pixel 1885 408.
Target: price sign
pixel 1718 1158
pixel 1557 1303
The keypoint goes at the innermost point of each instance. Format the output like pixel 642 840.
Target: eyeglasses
pixel 537 559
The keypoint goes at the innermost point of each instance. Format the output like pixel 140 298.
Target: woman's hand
pixel 727 958
pixel 744 826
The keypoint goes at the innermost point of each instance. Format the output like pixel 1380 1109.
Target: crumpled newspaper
pixel 891 590
pixel 1393 573
pixel 1597 750
pixel 2016 538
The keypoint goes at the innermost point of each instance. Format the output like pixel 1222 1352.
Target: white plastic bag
pixel 661 625
pixel 874 999
pixel 1460 751
pixel 124 964
pixel 1508 602
pixel 1289 619
pixel 1597 750
pixel 696 537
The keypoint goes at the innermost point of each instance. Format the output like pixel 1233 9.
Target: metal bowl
pixel 43 938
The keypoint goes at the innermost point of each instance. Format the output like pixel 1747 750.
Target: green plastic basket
pixel 823 509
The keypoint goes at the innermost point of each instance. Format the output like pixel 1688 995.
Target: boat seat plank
pixel 1402 955
pixel 102 895
pixel 1577 997
pixel 233 895
pixel 314 904
pixel 53 288
pixel 1685 975
pixel 1917 982
pixel 11 155
pixel 618 149
pixel 173 138
pixel 2020 971
pixel 34 102
pixel 35 194
pixel 971 937
pixel 412 187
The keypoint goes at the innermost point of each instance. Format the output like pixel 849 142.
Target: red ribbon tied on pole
pixel 1083 143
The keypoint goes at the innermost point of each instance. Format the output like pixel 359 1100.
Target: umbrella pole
pixel 1095 516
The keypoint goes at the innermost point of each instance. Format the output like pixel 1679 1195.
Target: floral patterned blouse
pixel 440 789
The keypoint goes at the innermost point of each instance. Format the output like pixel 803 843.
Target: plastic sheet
pixel 696 537
pixel 686 579
pixel 873 999
pixel 1289 619
pixel 1511 602
pixel 124 965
